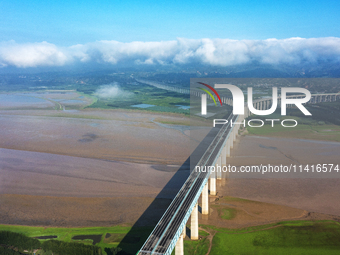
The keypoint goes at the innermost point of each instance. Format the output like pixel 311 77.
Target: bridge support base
pixel 179 249
pixel 228 145
pixel 194 223
pixel 218 168
pixel 213 184
pixel 205 199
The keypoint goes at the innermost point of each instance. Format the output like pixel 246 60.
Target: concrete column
pixel 228 147
pixel 218 168
pixel 224 155
pixel 205 199
pixel 184 233
pixel 179 248
pixel 194 223
pixel 213 184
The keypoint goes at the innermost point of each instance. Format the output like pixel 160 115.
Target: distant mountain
pixel 187 71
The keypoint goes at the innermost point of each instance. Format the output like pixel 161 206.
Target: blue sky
pixel 55 33
pixel 67 23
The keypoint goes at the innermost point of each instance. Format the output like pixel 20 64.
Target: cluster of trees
pixel 8 251
pixel 113 251
pixel 13 243
pixel 20 241
pixel 64 248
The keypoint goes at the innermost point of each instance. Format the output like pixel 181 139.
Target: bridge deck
pixel 165 230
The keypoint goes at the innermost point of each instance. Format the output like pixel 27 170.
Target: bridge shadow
pixel 140 231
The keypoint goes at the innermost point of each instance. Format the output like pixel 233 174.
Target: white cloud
pixel 31 54
pixel 218 52
pixel 112 91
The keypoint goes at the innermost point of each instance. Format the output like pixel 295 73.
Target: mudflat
pixel 79 211
pixel 104 134
pixel 88 167
pixel 312 194
pixel 104 167
pixel 44 174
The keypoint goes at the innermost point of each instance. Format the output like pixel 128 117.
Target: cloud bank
pixel 112 91
pixel 216 52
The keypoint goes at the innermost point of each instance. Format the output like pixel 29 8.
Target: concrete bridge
pixel 171 228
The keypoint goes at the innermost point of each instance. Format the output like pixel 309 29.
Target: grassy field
pixel 295 237
pixel 162 100
pixel 110 236
pixel 199 247
pixel 289 237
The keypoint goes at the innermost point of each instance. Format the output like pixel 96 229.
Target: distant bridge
pixel 171 228
pixel 260 104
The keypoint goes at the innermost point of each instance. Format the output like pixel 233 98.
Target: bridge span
pixel 171 228
pixel 170 231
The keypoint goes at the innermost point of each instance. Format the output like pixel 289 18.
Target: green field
pixel 199 247
pixel 131 243
pixel 289 237
pixel 162 100
pixel 294 237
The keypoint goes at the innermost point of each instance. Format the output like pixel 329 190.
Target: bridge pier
pixel 218 168
pixel 224 155
pixel 213 184
pixel 227 146
pixel 231 139
pixel 179 248
pixel 194 223
pixel 205 200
